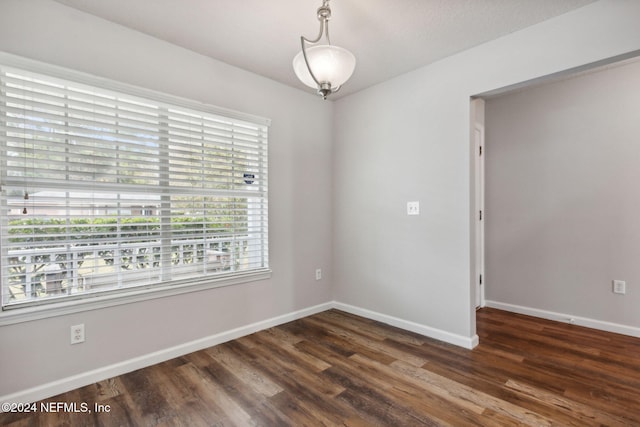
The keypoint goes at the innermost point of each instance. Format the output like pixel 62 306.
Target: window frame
pixel 112 297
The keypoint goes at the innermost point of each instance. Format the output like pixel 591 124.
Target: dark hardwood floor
pixel 337 369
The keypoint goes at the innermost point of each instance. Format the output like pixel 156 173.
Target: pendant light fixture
pixel 323 67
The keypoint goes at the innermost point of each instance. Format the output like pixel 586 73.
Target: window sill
pixel 110 299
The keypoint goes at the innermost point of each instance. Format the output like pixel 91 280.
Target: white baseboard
pixel 86 378
pixel 567 318
pixel 459 340
pixel 76 381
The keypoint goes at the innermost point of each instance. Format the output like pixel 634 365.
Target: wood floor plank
pixel 380 381
pixel 307 387
pixel 288 350
pixel 344 370
pixel 255 403
pixel 339 369
pixel 366 341
pixel 348 342
pixel 244 372
pixel 291 367
pixel 400 391
pixel 213 394
pixel 187 408
pixel 583 413
pixel 461 393
pixel 152 407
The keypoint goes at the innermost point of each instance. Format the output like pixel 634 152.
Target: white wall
pixel 408 139
pixel 562 196
pixel 34 354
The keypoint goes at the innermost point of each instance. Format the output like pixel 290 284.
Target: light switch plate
pixel 413 208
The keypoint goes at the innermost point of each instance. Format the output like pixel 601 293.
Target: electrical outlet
pixel 318 273
pixel 619 287
pixel 77 334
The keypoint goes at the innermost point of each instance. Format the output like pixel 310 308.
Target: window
pixel 108 191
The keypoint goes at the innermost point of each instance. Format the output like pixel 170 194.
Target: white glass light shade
pixel 330 64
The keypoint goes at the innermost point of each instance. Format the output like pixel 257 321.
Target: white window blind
pixel 106 192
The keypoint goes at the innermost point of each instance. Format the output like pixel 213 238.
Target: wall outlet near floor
pixel 619 287
pixel 318 273
pixel 77 334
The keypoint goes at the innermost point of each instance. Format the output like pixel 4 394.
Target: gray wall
pixel 563 198
pixel 38 352
pixel 409 139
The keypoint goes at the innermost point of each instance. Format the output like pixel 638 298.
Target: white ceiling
pixel 388 37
